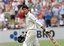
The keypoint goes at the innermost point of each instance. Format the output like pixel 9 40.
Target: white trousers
pixel 31 38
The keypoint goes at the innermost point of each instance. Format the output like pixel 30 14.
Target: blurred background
pixel 48 12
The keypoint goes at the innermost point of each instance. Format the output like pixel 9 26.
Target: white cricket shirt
pixel 2 17
pixel 32 22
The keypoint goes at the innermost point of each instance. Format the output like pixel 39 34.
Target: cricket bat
pixel 52 39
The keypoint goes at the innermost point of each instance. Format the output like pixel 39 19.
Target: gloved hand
pixel 46 30
pixel 21 39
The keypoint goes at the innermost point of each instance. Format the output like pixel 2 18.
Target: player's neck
pixel 26 13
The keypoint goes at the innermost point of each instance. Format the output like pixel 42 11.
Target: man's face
pixel 25 10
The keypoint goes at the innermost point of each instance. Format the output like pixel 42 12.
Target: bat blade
pixel 53 40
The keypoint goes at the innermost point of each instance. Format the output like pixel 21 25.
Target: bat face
pixel 53 40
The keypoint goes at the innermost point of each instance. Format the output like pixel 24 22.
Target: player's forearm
pixel 43 27
pixel 46 29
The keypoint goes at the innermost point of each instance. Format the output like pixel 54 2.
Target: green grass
pixel 42 43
